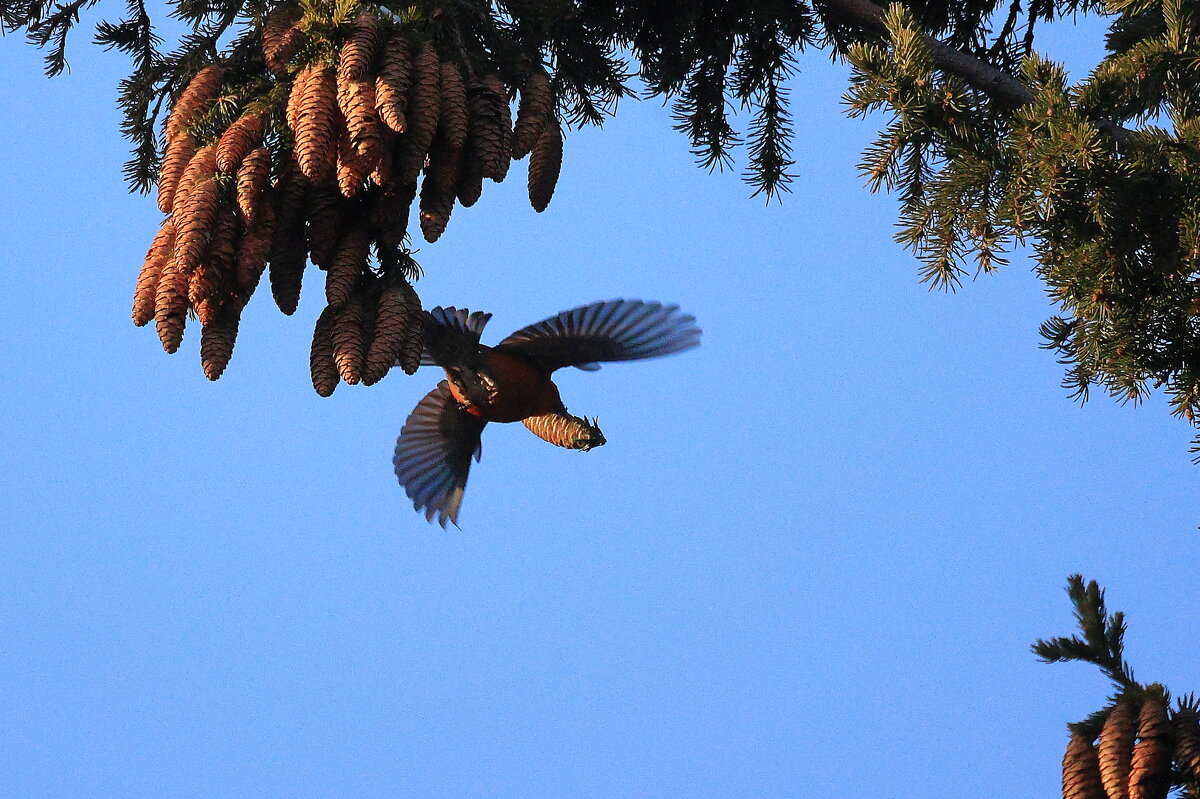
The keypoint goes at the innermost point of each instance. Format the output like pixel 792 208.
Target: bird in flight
pixel 511 383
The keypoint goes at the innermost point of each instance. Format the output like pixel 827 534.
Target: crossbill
pixel 511 383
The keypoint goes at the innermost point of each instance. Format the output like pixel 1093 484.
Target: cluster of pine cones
pixel 1143 751
pixel 321 161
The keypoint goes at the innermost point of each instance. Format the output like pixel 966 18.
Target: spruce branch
pixel 1103 641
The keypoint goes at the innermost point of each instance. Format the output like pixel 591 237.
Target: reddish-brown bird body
pixel 513 389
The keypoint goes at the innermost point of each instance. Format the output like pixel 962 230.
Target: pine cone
pixel 217 340
pixel 201 167
pixel 348 342
pixel 280 39
pixel 356 100
pixel 358 53
pixel 469 186
pixel 535 109
pixel 1116 750
pixel 170 305
pixel 437 190
pixel 161 250
pixel 488 131
pixel 391 331
pixel 210 285
pixel 352 169
pixel 414 339
pixel 253 177
pixel 320 359
pixel 389 213
pixel 453 121
pixel 288 247
pixel 1187 745
pixel 381 175
pixel 190 106
pixel 242 136
pixel 316 132
pixel 424 110
pixel 175 160
pixel 1081 770
pixel 545 163
pixel 253 249
pixel 393 81
pixel 564 430
pixel 349 262
pixel 196 224
pixel 1149 776
pixel 295 100
pixel 324 219
pixel 504 113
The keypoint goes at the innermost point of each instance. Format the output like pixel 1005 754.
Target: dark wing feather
pixel 433 454
pixel 616 330
pixel 451 335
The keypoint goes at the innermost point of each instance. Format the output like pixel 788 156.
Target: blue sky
pixel 809 561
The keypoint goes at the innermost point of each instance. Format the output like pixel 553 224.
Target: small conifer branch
pixel 1103 641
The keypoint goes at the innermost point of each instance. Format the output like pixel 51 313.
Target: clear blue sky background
pixel 809 562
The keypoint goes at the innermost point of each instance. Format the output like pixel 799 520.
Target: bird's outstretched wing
pixel 451 335
pixel 433 454
pixel 616 330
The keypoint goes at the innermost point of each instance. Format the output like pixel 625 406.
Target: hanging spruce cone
pixel 179 153
pixel 469 186
pixel 320 359
pixel 356 101
pixel 253 177
pixel 1149 776
pixel 349 262
pixel 324 218
pixel 161 250
pixel 217 340
pixel 1116 749
pixel 1187 744
pixel 352 168
pixel 488 131
pixel 389 213
pixel 287 259
pixel 201 167
pixel 295 100
pixel 536 107
pixel 437 189
pixel 210 283
pixel 170 305
pixel 414 340
pixel 564 430
pixel 391 330
pixel 316 130
pixel 544 166
pixel 196 223
pixel 424 110
pixel 190 106
pixel 453 121
pixel 253 249
pixel 393 82
pixel 504 114
pixel 358 53
pixel 348 350
pixel 242 136
pixel 1081 770
pixel 382 173
pixel 281 39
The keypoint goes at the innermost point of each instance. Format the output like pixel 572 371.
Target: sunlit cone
pixel 287 259
pixel 437 189
pixel 564 430
pixel 414 340
pixel 243 135
pixel 253 177
pixel 389 212
pixel 356 101
pixel 295 100
pixel 1149 777
pixel 453 121
pixel 170 305
pixel 253 249
pixel 217 340
pixel 348 349
pixel 160 252
pixel 545 163
pixel 316 131
pixel 196 224
pixel 1116 749
pixel 393 81
pixel 1081 770
pixel 391 330
pixel 535 108
pixel 324 216
pixel 382 173
pixel 1187 745
pixel 201 167
pixel 424 110
pixel 358 53
pixel 352 168
pixel 321 364
pixel 190 106
pixel 280 38
pixel 206 292
pixel 210 285
pixel 349 262
pixel 175 160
